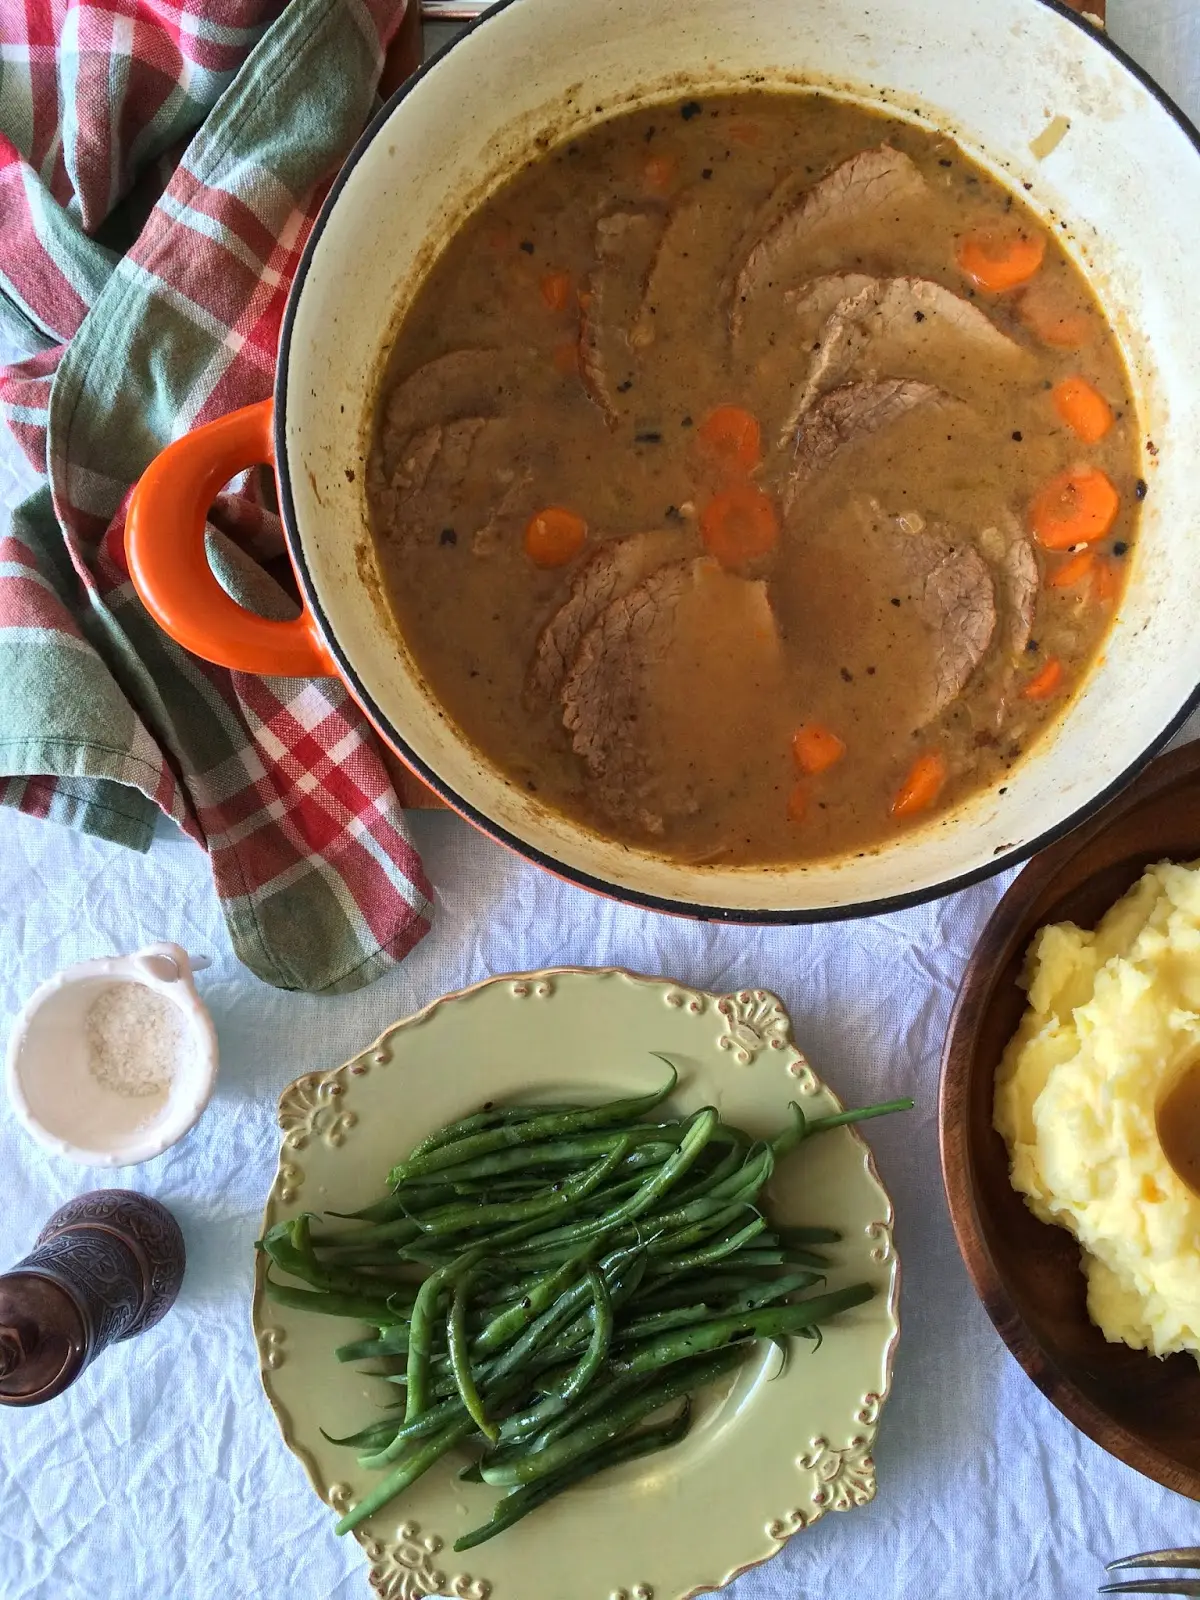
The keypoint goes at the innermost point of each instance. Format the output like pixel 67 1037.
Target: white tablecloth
pixel 161 1473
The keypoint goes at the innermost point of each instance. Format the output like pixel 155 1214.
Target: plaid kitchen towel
pixel 161 165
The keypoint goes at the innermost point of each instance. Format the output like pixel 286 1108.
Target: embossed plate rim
pixel 397 1577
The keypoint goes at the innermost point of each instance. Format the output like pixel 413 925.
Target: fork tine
pixel 1187 1556
pixel 1189 1588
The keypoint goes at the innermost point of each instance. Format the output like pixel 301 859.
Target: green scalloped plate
pixel 765 1458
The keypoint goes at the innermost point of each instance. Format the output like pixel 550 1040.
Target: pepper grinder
pixel 107 1266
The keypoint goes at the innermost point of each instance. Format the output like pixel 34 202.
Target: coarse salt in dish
pixel 111 1061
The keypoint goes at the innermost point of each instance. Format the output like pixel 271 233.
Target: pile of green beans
pixel 544 1280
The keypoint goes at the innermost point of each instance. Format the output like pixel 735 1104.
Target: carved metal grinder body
pixel 107 1266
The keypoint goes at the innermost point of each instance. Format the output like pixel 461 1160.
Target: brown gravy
pixel 877 569
pixel 1177 1123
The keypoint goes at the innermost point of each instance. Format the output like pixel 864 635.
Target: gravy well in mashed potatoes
pixel 1111 1033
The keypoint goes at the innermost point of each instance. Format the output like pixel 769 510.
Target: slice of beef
pixel 906 327
pixel 948 581
pixel 872 180
pixel 625 245
pixel 1021 583
pixel 958 603
pixel 445 469
pixel 669 278
pixel 1015 564
pixel 510 513
pixel 840 340
pixel 422 494
pixel 604 693
pixel 463 383
pixel 610 575
pixel 620 699
pixel 841 418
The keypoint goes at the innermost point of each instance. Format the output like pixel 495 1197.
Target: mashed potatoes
pixel 1113 1019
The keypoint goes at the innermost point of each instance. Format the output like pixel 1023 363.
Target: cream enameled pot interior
pixel 1123 185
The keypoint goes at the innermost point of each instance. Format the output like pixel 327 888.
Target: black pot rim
pixel 1004 858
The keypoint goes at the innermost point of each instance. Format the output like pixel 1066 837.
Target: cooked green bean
pixel 558 1315
pixel 481 1121
pixel 563 1196
pixel 392 1342
pixel 563 1394
pixel 420 1328
pixel 373 1437
pixel 673 1244
pixel 700 1129
pixel 332 1304
pixel 707 1254
pixel 802 1128
pixel 460 1360
pixel 649 1143
pixel 405 1474
pixel 520 1502
pixel 769 1323
pixel 556 1125
pixel 516 1466
pixel 842 1119
pixel 583 1269
pixel 300 1261
pixel 392 1233
pixel 537 1298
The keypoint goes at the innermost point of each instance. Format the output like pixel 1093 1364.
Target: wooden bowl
pixel 1139 1408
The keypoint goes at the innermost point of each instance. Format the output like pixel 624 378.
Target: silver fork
pixel 453 10
pixel 1188 1558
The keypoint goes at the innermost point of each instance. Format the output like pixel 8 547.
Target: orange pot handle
pixel 164 545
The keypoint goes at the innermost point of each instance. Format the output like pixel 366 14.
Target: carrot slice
pixel 1078 506
pixel 922 786
pixel 817 748
pixel 1106 582
pixel 1046 313
pixel 556 290
pixel 1073 570
pixel 999 259
pixel 554 536
pixel 733 436
pixel 739 525
pixel 798 803
pixel 1044 683
pixel 1083 408
pixel 658 172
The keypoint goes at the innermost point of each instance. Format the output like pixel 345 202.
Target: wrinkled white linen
pixel 161 1473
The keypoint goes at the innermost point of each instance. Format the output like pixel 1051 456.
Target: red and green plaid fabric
pixel 161 164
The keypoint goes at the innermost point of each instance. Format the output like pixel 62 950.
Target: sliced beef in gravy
pixel 424 491
pixel 444 474
pixel 610 575
pixel 957 601
pixel 875 179
pixel 681 242
pixel 511 511
pixel 1015 570
pixel 625 243
pixel 463 383
pixel 883 585
pixel 841 418
pixel 1016 566
pixel 904 327
pixel 687 626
